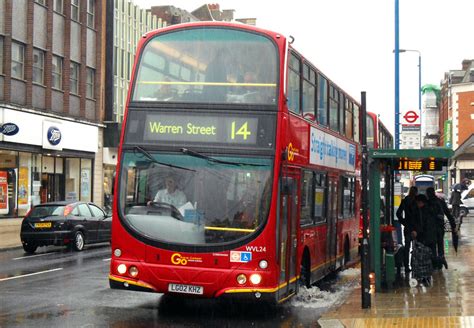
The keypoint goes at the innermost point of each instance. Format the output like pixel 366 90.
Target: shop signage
pixel 54 135
pixel 448 130
pixel 9 129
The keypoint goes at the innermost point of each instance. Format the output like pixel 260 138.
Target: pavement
pixel 449 302
pixel 10 233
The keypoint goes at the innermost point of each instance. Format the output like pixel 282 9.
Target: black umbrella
pixel 455 236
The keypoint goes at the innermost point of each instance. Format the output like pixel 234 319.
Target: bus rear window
pixel 208 65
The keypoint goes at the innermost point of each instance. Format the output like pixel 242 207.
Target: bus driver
pixel 171 194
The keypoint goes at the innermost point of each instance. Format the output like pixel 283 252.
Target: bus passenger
pixel 171 194
pixel 165 92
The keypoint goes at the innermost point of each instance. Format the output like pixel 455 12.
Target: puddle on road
pixel 329 292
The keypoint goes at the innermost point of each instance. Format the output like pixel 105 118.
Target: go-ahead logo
pixel 54 135
pixel 179 259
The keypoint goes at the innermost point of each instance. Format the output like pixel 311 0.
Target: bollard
pixel 389 269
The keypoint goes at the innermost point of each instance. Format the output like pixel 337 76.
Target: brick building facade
pixel 456 118
pixel 51 78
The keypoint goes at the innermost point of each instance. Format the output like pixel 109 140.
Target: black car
pixel 65 223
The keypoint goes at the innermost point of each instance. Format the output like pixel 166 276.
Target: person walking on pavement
pixel 407 215
pixel 440 210
pixel 455 199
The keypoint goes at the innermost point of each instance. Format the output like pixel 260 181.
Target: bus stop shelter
pixel 386 162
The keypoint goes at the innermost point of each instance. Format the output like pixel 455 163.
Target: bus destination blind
pixel 201 129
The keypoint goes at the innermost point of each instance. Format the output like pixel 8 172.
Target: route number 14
pixel 242 131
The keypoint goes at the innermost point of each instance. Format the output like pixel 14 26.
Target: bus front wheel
pixel 305 276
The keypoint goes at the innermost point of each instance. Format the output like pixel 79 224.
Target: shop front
pixel 44 159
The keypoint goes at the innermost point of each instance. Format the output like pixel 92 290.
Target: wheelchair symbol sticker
pixel 245 257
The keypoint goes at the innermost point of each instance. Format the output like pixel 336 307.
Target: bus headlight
pixel 133 271
pixel 263 264
pixel 255 278
pixel 122 268
pixel 117 252
pixel 241 279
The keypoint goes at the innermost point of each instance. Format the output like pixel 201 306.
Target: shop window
pixel 109 173
pixel 8 183
pixel 86 179
pixel 72 178
pixel 24 183
pixel 36 179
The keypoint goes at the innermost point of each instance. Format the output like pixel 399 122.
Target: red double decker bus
pixel 378 136
pixel 238 167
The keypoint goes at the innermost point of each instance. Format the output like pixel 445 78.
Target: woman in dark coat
pixel 426 227
pixel 406 214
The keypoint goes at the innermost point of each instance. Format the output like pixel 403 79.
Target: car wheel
pixel 463 211
pixel 78 244
pixel 30 247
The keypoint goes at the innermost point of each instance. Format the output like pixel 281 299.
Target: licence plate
pixel 186 289
pixel 43 225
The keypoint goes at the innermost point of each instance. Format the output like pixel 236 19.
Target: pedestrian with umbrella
pixel 455 199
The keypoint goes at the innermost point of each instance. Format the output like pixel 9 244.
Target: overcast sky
pixel 351 41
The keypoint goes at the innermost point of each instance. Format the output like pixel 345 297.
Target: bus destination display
pixel 202 129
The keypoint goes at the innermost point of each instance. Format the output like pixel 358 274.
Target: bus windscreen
pixel 192 198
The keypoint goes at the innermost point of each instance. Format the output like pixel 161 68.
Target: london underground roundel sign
pixel 411 117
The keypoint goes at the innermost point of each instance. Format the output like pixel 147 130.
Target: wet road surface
pixel 60 288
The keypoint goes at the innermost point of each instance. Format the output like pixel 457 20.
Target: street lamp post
pixel 419 83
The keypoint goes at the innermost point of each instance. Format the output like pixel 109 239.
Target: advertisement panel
pixel 23 186
pixel 3 192
pixel 327 150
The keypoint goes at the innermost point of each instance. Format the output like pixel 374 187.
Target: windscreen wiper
pixel 215 160
pixel 153 160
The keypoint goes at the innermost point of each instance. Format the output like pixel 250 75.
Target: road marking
pixel 30 256
pixel 30 274
pixel 105 260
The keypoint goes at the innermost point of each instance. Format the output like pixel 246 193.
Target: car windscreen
pixel 49 210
